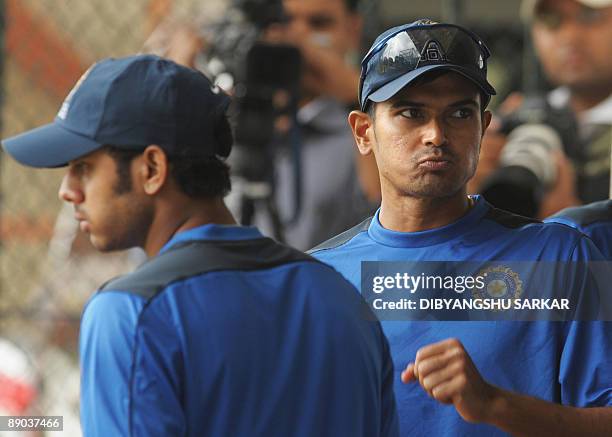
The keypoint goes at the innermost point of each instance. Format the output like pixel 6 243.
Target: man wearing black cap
pixel 423 95
pixel 222 332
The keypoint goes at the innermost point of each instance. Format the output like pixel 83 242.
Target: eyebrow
pixel 404 102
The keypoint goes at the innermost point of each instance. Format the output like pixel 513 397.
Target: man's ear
pixel 486 121
pixel 154 169
pixel 362 126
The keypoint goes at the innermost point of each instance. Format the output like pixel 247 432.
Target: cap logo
pixel 432 52
pixel 63 112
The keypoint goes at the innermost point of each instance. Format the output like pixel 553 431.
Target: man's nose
pixel 297 29
pixel 434 133
pixel 570 30
pixel 69 192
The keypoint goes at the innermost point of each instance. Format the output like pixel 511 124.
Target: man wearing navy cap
pixel 222 332
pixel 423 97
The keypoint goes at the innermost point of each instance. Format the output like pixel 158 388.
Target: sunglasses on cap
pixel 404 53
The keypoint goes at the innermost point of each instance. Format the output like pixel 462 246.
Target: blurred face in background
pixel 326 32
pixel 574 44
pixel 325 23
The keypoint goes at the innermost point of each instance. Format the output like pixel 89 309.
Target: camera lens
pixel 527 169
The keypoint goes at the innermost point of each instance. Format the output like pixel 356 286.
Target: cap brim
pixel 528 6
pixel 596 4
pixel 389 90
pixel 48 146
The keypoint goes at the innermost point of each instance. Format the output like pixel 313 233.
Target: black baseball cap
pixel 127 103
pixel 404 53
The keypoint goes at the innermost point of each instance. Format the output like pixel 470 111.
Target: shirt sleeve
pixel 130 362
pixel 105 346
pixel 390 420
pixel 586 365
pixel 585 373
pixel 158 383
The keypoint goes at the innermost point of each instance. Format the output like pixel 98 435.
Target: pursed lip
pixel 434 159
pixel 434 162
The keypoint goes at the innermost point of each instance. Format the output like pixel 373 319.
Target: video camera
pixel 265 79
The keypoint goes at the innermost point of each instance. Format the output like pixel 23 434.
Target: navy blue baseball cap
pixel 404 53
pixel 128 103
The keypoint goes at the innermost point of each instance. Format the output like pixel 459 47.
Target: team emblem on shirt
pixel 500 283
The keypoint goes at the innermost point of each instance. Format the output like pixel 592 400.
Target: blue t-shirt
pixel 594 220
pixel 563 362
pixel 227 333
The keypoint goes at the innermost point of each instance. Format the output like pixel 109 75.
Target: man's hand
pixel 492 143
pixel 328 74
pixel 490 151
pixel 184 46
pixel 446 372
pixel 176 40
pixel 325 71
pixel 563 193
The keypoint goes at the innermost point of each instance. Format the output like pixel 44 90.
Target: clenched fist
pixel 446 372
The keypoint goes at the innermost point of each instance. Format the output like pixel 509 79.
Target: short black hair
pixel 200 177
pixel 370 109
pixel 123 158
pixel 352 5
pixel 197 176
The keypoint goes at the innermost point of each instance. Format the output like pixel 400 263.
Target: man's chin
pixel 435 191
pixel 104 246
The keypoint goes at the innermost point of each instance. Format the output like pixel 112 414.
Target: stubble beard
pixel 439 186
pixel 433 190
pixel 127 231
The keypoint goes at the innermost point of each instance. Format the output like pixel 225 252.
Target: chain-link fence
pixel 47 268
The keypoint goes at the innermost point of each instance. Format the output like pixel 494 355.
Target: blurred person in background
pixel 572 41
pixel 339 187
